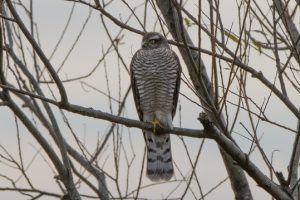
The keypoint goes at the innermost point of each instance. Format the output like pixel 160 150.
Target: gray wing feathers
pixel 134 89
pixel 177 86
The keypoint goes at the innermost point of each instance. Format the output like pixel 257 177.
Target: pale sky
pixel 51 16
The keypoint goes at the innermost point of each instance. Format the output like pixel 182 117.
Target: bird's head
pixel 154 40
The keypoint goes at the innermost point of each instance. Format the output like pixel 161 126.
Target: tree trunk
pixel 203 86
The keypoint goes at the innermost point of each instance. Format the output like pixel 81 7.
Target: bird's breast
pixel 156 79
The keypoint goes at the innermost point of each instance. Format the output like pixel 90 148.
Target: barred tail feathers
pixel 159 157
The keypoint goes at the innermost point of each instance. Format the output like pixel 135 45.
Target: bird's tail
pixel 159 157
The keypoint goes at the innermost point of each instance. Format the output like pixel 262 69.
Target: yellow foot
pixel 155 123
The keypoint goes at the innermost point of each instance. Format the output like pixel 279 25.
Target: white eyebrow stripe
pixel 155 37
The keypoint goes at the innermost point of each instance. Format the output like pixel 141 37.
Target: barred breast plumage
pixel 155 73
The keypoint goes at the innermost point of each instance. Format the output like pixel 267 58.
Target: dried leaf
pixel 231 36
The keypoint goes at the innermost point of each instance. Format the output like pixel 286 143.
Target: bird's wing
pixel 176 90
pixel 135 88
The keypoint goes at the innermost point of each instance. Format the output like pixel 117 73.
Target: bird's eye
pixel 152 41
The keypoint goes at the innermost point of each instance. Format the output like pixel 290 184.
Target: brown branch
pixel 292 179
pixel 90 112
pixel 7 18
pixel 62 91
pixel 43 193
pixel 243 160
pixel 202 84
pixel 108 15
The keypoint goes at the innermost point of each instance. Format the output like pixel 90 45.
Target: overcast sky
pixel 51 17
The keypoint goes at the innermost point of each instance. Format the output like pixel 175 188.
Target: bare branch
pixel 64 98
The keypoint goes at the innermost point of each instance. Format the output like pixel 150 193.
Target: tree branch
pixel 62 91
pixel 90 112
pixel 243 160
pixel 203 86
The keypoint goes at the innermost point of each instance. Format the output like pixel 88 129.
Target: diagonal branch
pixel 203 86
pixel 293 166
pixel 290 26
pixel 243 160
pixel 40 53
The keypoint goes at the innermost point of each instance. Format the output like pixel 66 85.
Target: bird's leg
pixel 155 123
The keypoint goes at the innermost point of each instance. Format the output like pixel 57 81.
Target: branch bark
pixel 63 168
pixel 290 26
pixel 293 167
pixel 62 91
pixel 243 160
pixel 203 86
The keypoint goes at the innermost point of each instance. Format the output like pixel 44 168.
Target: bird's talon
pixel 155 122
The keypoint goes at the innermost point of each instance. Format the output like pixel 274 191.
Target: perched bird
pixel 155 80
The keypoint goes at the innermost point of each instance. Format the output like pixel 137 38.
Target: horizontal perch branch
pixel 90 112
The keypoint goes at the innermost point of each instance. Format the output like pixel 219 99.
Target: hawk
pixel 155 80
